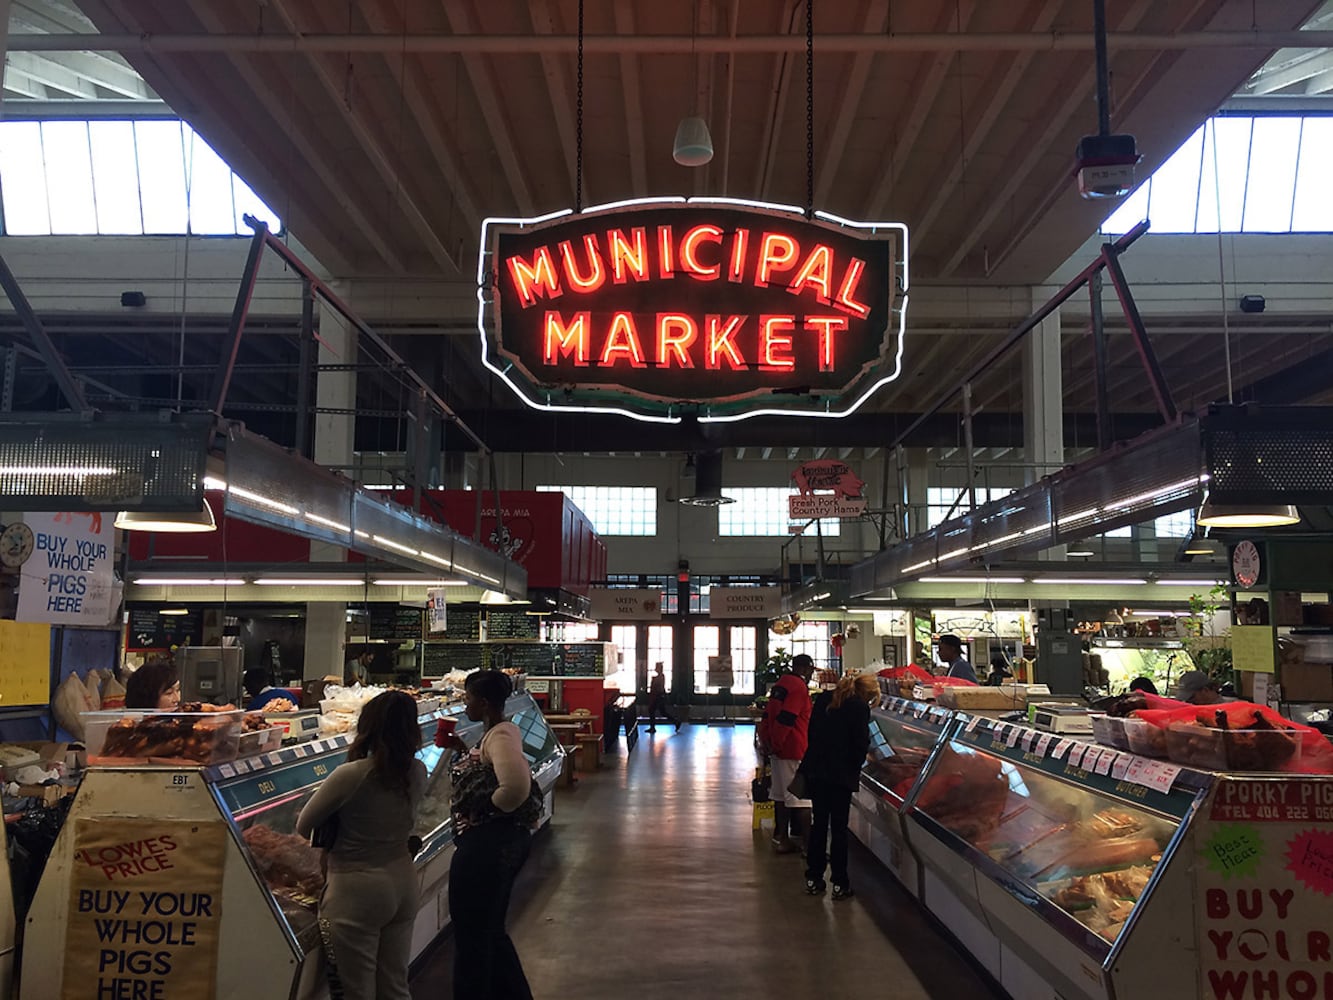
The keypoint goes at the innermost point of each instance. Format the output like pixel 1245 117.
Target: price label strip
pixel 1120 766
pixel 1104 762
pixel 1044 743
pixel 972 724
pixel 1062 748
pixel 1011 738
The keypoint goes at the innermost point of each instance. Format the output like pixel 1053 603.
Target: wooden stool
pixel 567 778
pixel 591 746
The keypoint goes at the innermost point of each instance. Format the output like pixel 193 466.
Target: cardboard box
pixel 1307 682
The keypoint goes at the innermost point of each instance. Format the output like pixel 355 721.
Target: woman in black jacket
pixel 839 742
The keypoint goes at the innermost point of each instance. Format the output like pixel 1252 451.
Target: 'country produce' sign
pixel 715 308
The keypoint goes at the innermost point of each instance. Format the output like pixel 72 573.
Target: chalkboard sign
pixel 503 625
pixel 393 622
pixel 464 624
pixel 150 630
pixel 549 659
pixel 439 658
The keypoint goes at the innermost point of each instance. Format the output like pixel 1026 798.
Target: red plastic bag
pixel 909 672
pixel 1316 756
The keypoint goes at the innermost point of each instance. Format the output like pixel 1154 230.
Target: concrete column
pixel 1043 406
pixel 335 437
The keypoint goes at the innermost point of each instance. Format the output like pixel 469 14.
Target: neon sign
pixel 718 308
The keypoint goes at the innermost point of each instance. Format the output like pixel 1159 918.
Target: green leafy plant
pixel 1210 650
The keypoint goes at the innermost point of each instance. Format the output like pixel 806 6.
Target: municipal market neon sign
pixel 716 308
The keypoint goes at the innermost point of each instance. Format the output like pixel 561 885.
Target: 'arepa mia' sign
pixel 711 307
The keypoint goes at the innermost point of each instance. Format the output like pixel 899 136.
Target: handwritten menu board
pixel 547 659
pixel 394 622
pixel 503 625
pixel 149 630
pixel 463 625
pixel 439 658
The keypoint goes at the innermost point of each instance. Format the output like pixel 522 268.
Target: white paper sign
pixel 69 578
pixel 1044 743
pixel 435 610
pixel 719 671
pixel 744 602
pixel 635 604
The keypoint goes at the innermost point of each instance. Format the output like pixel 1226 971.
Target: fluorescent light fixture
pixel 419 583
pixel 173 611
pixel 496 598
pixel 1058 581
pixel 1196 549
pixel 1272 515
pixel 1080 553
pixel 1157 493
pixel 335 525
pixel 266 581
pixel 187 581
pixel 57 470
pixel 178 523
pixel 970 579
pixel 1149 613
pixel 397 546
pixel 212 483
pixel 1169 582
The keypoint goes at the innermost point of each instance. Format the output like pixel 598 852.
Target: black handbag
pixel 799 786
pixel 324 835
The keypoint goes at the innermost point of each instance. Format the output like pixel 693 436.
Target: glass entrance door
pixel 741 643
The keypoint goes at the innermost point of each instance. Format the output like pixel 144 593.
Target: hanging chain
pixel 578 127
pixel 809 108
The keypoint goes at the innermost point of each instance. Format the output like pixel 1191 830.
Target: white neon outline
pixel 668 418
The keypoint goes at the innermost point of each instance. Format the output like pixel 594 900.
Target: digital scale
pixel 300 726
pixel 1072 719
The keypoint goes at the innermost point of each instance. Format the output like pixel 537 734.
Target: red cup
pixel 444 730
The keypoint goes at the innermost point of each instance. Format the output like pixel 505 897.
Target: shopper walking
pixel 657 701
pixel 783 737
pixel 494 809
pixel 839 742
pixel 370 900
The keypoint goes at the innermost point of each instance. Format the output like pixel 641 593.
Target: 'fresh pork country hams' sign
pixel 700 307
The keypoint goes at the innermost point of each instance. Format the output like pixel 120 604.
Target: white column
pixel 1043 407
pixel 335 436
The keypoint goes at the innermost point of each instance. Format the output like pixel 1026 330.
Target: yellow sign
pixel 144 910
pixel 1254 647
pixel 25 663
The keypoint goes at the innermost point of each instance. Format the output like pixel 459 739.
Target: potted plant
pixel 777 664
pixel 1210 651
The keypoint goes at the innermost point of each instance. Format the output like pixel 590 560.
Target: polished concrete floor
pixel 651 883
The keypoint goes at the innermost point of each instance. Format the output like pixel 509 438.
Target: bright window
pixel 614 510
pixel 707 642
pixel 1260 174
pixel 1177 525
pixel 744 641
pixel 762 510
pixel 661 649
pixel 811 638
pixel 626 639
pixel 939 502
pixel 118 178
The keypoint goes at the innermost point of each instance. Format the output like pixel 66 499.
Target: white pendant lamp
pixel 694 145
pixel 1260 515
pixel 177 523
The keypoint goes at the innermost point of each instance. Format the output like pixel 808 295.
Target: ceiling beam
pixel 873 22
pixel 1310 65
pixel 768 145
pixel 462 22
pixel 1048 125
pixel 562 108
pixel 380 158
pixel 902 141
pixel 52 75
pixel 630 91
pixel 24 86
pixel 995 100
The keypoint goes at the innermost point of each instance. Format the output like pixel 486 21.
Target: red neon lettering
pixel 850 280
pixel 596 275
pixel 720 342
pixel 537 278
pixel 675 335
pixel 775 343
pixel 776 253
pixel 666 262
pixel 739 243
pixel 629 257
pixel 689 247
pixel 815 271
pixel 622 342
pixel 826 326
pixel 563 339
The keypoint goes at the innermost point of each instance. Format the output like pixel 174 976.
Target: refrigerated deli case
pixel 1069 870
pixel 247 924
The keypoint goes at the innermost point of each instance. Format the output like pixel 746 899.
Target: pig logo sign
pixel 826 488
pixel 827 474
pixel 710 308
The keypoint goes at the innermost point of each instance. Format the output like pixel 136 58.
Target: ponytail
pixel 862 686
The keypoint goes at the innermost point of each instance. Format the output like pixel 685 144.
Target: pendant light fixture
pixel 1261 515
pixel 693 146
pixel 176 523
pixel 708 481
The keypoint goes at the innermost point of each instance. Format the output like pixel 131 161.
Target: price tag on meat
pixel 1011 738
pixel 1062 748
pixel 1105 758
pixel 1044 743
pixel 1120 766
pixel 1162 776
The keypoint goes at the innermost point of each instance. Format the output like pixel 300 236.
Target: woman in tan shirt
pixel 370 899
pixel 493 815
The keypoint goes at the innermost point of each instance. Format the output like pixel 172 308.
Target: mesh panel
pixel 1270 462
pixel 118 463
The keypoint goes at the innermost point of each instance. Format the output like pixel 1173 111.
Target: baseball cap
pixel 1191 683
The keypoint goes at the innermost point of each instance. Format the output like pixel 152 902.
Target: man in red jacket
pixel 783 738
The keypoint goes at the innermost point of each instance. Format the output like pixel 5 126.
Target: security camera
pixel 1104 165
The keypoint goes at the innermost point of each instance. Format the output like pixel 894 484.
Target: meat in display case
pixel 268 879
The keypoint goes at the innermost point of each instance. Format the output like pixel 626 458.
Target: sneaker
pixel 783 846
pixel 816 887
pixel 842 892
pixel 677 727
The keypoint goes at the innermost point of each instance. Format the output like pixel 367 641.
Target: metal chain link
pixel 578 166
pixel 809 108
